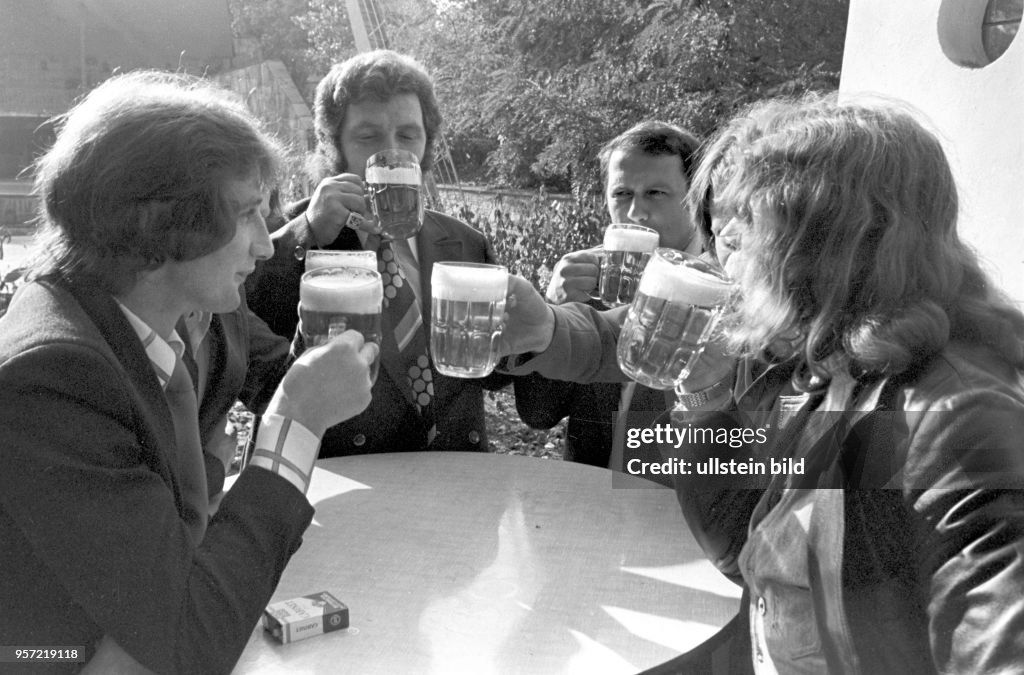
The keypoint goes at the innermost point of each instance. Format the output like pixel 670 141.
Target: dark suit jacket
pixel 591 408
pixel 391 423
pixel 579 374
pixel 92 538
pixel 246 362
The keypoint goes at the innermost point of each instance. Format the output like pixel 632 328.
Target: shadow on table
pixel 606 591
pixel 501 571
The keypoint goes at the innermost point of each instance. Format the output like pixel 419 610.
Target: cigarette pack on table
pixel 300 618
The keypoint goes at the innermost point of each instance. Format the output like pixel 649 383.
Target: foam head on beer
pixel 632 239
pixel 466 317
pixel 342 290
pixel 393 182
pixel 315 259
pixel 469 282
pixel 335 299
pixel 676 277
pixel 393 175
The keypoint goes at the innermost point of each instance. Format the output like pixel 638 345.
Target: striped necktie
pixel 407 321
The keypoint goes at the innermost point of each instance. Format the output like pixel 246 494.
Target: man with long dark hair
pixel 887 376
pixel 152 206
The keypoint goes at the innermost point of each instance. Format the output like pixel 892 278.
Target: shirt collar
pixel 163 354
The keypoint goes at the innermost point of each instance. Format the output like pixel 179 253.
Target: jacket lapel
pixel 123 342
pixel 435 243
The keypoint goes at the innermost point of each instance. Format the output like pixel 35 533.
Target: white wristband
pixel 285 447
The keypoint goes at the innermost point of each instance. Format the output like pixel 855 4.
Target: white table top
pixel 484 563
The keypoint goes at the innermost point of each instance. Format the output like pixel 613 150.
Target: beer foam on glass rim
pixel 466 282
pixel 315 259
pixel 397 175
pixel 678 277
pixel 342 290
pixel 631 239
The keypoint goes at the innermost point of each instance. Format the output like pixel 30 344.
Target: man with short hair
pixel 646 172
pixel 372 102
pixel 152 204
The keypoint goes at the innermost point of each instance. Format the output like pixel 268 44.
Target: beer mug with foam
pixel 393 179
pixel 671 319
pixel 467 310
pixel 335 299
pixel 623 255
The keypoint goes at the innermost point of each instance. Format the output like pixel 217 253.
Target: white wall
pixel 893 48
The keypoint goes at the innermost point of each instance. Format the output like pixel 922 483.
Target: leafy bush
pixel 550 80
pixel 531 89
pixel 530 239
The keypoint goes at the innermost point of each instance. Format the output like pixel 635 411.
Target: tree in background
pixel 273 23
pixel 328 33
pixel 531 89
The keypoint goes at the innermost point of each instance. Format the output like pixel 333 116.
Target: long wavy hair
pixel 851 244
pixel 371 76
pixel 137 177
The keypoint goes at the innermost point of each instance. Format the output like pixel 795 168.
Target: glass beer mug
pixel 393 179
pixel 467 315
pixel 624 254
pixel 335 299
pixel 671 319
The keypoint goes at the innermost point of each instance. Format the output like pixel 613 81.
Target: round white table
pixel 484 563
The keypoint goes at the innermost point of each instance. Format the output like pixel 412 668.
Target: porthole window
pixel 1002 21
pixel 975 33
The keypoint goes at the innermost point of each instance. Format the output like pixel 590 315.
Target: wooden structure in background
pixel 53 51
